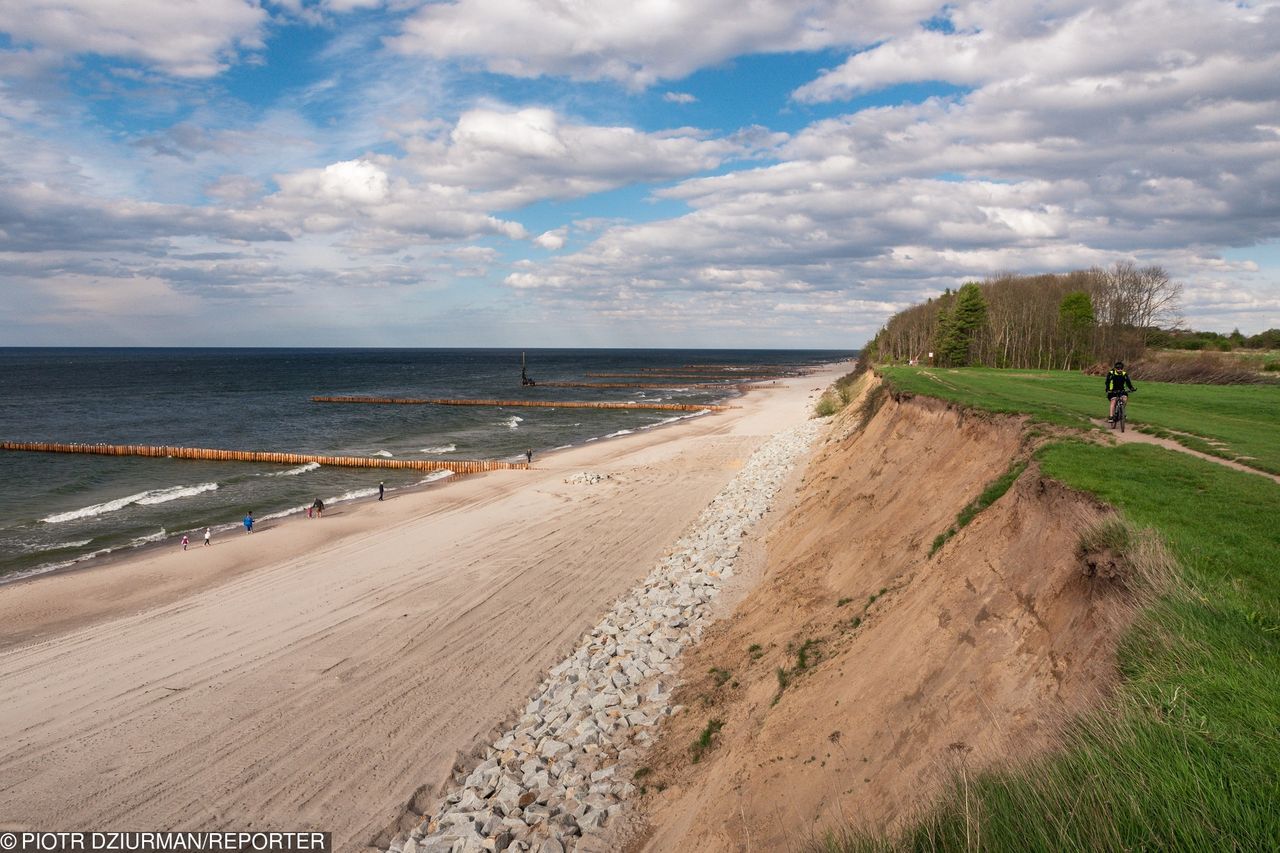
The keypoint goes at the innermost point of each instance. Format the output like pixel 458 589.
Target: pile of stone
pixel 587 478
pixel 559 774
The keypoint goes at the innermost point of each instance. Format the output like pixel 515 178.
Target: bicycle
pixel 1118 419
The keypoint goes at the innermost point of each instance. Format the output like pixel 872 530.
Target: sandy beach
pixel 317 673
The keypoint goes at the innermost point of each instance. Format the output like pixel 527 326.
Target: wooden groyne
pixel 457 466
pixel 727 377
pixel 774 368
pixel 641 384
pixel 529 404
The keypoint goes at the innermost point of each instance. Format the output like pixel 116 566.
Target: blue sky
pixel 543 173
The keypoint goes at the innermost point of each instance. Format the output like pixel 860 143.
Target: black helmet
pixel 1119 365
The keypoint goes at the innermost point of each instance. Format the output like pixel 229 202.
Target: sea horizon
pixel 75 508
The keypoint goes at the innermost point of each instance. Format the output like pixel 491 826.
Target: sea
pixel 60 510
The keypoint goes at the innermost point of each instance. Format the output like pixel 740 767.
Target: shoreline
pixel 120 553
pixel 316 675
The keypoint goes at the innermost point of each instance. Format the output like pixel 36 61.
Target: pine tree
pixel 962 327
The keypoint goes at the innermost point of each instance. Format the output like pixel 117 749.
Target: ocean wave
pixel 620 432
pixel 386 453
pixel 38 547
pixel 284 513
pixel 146 540
pixel 149 497
pixel 353 495
pixel 160 496
pixel 293 472
pixel 51 567
pixel 444 448
pixel 434 476
pixel 513 422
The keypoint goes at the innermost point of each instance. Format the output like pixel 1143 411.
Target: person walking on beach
pixel 528 455
pixel 248 523
pixel 381 490
pixel 207 535
pixel 185 541
pixel 318 507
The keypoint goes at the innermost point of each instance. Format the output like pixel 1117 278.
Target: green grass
pixel 1223 420
pixel 1187 754
pixel 705 740
pixel 992 493
pixel 839 395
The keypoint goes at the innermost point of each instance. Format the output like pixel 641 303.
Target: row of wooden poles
pixel 531 404
pixel 726 378
pixel 635 385
pixel 460 466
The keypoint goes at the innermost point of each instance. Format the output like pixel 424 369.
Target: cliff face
pixel 899 668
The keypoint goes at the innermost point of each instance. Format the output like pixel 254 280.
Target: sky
pixel 601 173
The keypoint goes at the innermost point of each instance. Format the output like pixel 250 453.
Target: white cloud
pixel 679 98
pixel 1102 46
pixel 1091 134
pixel 352 181
pixel 511 157
pixel 638 42
pixel 185 39
pixel 553 240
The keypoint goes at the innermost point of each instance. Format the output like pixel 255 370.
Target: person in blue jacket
pixel 248 523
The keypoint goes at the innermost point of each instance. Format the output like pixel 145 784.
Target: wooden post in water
pixel 457 466
pixel 528 404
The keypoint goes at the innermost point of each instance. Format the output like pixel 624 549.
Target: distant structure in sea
pixel 524 374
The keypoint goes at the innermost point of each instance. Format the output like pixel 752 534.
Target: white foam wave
pixel 293 472
pixel 152 496
pixel 284 513
pixel 159 496
pixel 444 448
pixel 513 422
pixel 386 453
pixel 353 495
pixel 52 567
pixel 37 547
pixel 434 476
pixel 620 432
pixel 153 537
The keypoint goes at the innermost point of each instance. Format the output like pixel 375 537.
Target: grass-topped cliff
pixel 1186 754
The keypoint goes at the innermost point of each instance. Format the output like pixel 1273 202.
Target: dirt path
pixel 320 690
pixel 1134 437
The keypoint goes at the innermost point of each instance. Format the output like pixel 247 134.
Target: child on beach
pixel 185 541
pixel 248 523
pixel 207 533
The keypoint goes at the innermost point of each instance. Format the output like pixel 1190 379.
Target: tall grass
pixel 841 393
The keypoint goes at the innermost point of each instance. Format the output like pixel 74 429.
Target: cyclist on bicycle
pixel 1117 382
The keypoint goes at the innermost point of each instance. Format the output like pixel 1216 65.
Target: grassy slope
pixel 1232 421
pixel 1187 756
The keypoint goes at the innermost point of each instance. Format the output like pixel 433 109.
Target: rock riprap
pixel 587 478
pixel 555 777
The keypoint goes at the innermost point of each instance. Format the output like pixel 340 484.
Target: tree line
pixel 1052 321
